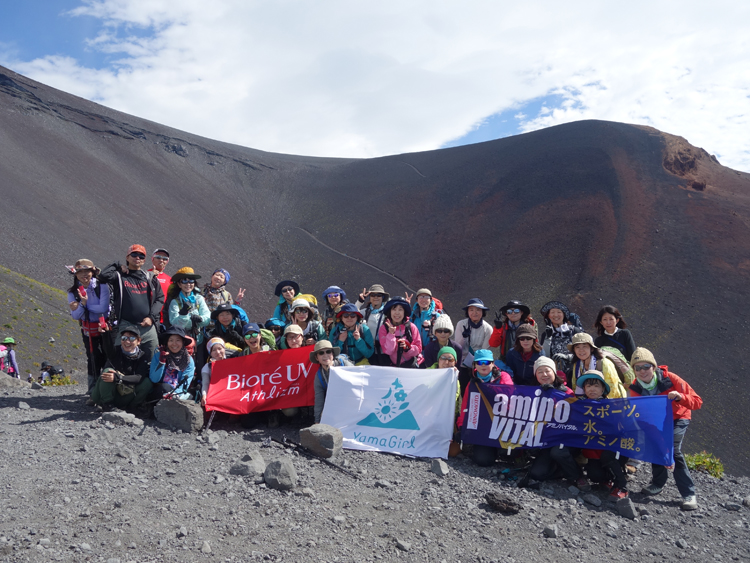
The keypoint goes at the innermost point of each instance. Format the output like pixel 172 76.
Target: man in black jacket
pixel 138 300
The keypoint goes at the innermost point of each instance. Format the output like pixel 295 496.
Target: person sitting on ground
pixel 227 326
pixel 159 261
pixel 187 307
pixel 602 467
pixel 276 327
pixel 216 352
pixel 443 331
pixel 254 340
pixel 589 357
pixel 302 315
pixel 549 463
pixel 327 356
pixel 472 334
pixel 652 379
pixel 46 370
pixel 89 305
pixel 424 314
pixel 333 299
pixel 352 335
pixel 612 332
pixel 398 337
pixel 485 371
pixel 286 291
pixel 292 338
pixel 523 355
pixel 138 300
pixel 558 334
pixel 371 303
pixel 172 368
pixel 510 316
pixel 124 382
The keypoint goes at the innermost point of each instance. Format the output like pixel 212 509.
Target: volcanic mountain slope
pixel 589 213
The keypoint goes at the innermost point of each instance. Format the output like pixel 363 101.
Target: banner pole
pixel 210 420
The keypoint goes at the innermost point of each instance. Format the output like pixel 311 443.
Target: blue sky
pixel 336 78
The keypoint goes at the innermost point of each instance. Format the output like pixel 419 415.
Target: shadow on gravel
pixel 72 405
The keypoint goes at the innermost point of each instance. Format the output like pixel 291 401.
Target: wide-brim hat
pixel 476 302
pixel 224 308
pixel 334 289
pixel 349 308
pixel 83 265
pixel 593 374
pixel 554 305
pixel 581 338
pixel 9 340
pixel 512 304
pixel 398 301
pixel 282 284
pixel 174 330
pixel 323 345
pixel 185 273
pixel 300 304
pixel 377 288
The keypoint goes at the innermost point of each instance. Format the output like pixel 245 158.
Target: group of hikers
pixel 150 336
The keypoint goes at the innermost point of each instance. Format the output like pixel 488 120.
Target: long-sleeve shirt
pixel 95 306
pixel 389 342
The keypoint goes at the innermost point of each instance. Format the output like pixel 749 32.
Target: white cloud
pixel 337 78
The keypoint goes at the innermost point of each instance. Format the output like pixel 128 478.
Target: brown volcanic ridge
pixel 590 213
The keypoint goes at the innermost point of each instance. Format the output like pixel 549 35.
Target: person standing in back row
pixel 159 260
pixel 138 300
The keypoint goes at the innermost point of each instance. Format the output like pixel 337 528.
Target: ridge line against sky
pixel 336 78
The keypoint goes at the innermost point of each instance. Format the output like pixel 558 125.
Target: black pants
pixel 551 460
pixel 95 356
pixel 607 468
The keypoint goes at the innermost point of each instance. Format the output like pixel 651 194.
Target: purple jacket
pixel 95 306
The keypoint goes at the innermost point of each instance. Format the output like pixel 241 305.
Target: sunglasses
pixel 442 331
pixel 448 358
pixel 124 338
pixel 483 363
pixel 376 295
pixel 643 367
pixel 187 282
pixel 325 352
pixel 275 329
pixel 512 311
pixel 303 311
pixel 287 290
pixel 349 316
pixel 251 335
pixel 525 338
pixel 333 295
pixel 137 255
pixel 162 258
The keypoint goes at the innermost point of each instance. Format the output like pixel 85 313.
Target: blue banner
pixel 508 417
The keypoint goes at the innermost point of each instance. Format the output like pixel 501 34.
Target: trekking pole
pixel 287 443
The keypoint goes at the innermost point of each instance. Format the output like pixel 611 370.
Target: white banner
pixel 397 410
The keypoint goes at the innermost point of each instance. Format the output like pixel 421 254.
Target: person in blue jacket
pixel 352 335
pixel 172 368
pixel 424 314
pixel 286 291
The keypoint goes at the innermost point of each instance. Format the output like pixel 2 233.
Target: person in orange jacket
pixel 652 379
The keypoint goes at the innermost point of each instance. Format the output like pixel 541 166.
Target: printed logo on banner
pixel 392 411
pixel 474 401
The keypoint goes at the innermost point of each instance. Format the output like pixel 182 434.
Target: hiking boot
pixel 109 407
pixel 651 490
pixel 689 503
pixel 617 494
pixel 90 402
pixel 583 484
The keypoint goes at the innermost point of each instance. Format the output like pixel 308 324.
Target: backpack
pixel 268 337
pixel 624 371
pixel 3 352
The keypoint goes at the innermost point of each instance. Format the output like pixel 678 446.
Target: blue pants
pixel 681 472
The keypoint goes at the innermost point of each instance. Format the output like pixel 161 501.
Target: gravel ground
pixel 81 489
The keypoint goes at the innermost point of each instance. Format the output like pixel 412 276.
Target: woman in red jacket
pixel 658 380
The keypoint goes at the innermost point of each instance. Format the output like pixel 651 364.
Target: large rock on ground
pixel 8 382
pixel 182 415
pixel 122 418
pixel 322 440
pixel 252 466
pixel 281 475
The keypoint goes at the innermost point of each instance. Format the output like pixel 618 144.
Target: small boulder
pixel 682 544
pixel 23 406
pixel 403 545
pixel 280 475
pixel 182 415
pixel 36 385
pixel 119 418
pixel 551 531
pixel 733 506
pixel 439 467
pixel 252 466
pixel 321 439
pixel 8 382
pixel 746 501
pixel 592 499
pixel 626 508
pixel 502 503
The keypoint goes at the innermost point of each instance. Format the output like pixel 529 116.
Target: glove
pixel 184 310
pixel 163 355
pixel 561 357
pixel 547 387
pixel 498 319
pixel 404 344
pixel 196 320
pixel 466 332
pixel 235 335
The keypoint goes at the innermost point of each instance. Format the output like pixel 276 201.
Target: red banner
pixel 262 382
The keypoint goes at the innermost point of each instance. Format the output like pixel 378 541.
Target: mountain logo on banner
pixel 392 411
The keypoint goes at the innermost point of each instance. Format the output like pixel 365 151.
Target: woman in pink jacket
pixel 399 338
